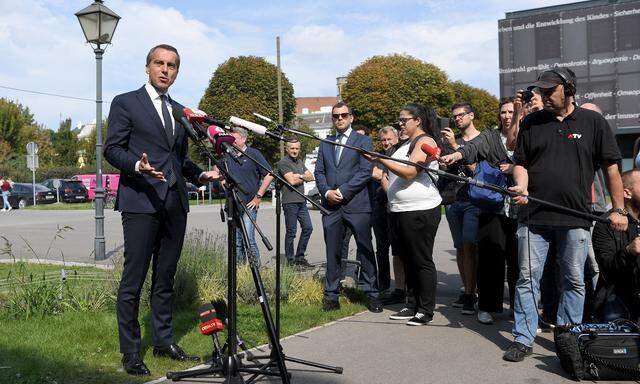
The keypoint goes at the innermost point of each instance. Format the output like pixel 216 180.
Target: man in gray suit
pixel 342 176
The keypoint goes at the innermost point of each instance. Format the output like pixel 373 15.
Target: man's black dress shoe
pixel 330 305
pixel 133 364
pixel 374 306
pixel 174 352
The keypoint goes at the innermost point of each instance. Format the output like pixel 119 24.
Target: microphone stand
pixel 466 180
pixel 276 348
pixel 231 367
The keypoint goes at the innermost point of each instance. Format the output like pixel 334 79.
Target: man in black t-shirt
pixel 292 168
pixel 558 150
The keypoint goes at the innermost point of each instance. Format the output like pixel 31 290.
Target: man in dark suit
pixel 150 149
pixel 342 176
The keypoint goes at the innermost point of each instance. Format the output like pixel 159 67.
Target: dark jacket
pixel 135 128
pixel 351 175
pixel 619 270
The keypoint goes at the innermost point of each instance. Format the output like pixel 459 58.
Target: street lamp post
pixel 98 25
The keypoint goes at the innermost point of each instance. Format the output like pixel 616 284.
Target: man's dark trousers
pixel 161 235
pixel 294 213
pixel 334 225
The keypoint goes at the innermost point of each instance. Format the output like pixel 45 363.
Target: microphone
pixel 257 128
pixel 200 117
pixel 430 151
pixel 210 321
pixel 181 117
pixel 221 141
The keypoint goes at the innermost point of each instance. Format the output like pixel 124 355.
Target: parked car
pixel 22 195
pixel 69 191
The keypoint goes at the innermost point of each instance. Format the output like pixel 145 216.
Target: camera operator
pixel 558 150
pixel 618 255
pixel 525 102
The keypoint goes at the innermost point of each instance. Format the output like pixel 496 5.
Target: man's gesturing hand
pixel 145 167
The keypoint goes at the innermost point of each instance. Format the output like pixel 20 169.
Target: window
pixel 600 35
pixel 548 42
pixel 628 32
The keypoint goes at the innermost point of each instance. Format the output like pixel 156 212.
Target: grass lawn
pixel 81 347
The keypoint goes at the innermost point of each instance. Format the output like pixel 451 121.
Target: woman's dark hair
pixel 503 101
pixel 428 118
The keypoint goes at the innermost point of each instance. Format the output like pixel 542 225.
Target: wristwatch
pixel 620 211
pixel 259 196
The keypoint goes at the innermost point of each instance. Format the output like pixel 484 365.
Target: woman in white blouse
pixel 414 205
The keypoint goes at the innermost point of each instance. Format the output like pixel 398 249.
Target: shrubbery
pixel 201 277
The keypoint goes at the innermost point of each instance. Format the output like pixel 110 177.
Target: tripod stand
pixel 272 357
pixel 230 365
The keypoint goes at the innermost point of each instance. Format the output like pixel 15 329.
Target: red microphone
pixel 221 141
pixel 199 117
pixel 432 152
pixel 210 321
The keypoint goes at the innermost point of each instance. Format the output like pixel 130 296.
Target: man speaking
pixel 150 150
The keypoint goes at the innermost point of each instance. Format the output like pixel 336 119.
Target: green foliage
pixel 484 104
pixel 377 89
pixel 246 84
pixel 66 145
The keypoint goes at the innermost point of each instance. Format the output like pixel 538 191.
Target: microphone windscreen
pixel 214 131
pixel 207 312
pixel 430 151
pixel 196 115
pixel 253 127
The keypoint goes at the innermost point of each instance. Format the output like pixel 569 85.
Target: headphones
pixel 568 83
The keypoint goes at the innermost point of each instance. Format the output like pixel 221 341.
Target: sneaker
pixel 403 314
pixel 394 297
pixel 420 319
pixel 458 303
pixel 469 304
pixel 545 326
pixel 485 317
pixel 517 352
pixel 10 208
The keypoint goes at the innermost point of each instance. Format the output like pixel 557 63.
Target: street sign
pixel 32 162
pixel 32 148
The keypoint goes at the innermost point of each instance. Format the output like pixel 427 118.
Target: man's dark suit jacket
pixel 135 128
pixel 351 175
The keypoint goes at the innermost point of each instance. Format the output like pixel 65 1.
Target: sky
pixel 44 50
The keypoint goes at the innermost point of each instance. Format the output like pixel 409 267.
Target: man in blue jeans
pixel 292 169
pixel 558 151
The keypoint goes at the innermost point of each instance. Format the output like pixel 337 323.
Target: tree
pixel 246 84
pixel 377 89
pixel 88 145
pixel 66 145
pixel 484 104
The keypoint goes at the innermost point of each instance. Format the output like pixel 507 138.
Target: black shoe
pixel 517 352
pixel 396 296
pixel 420 319
pixel 330 305
pixel 374 306
pixel 403 314
pixel 469 304
pixel 133 365
pixel 545 325
pixel 458 303
pixel 303 264
pixel 173 352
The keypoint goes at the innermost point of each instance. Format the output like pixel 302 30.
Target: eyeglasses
pixel 403 120
pixel 460 115
pixel 338 115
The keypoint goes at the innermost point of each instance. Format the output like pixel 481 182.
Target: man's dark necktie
pixel 338 148
pixel 168 128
